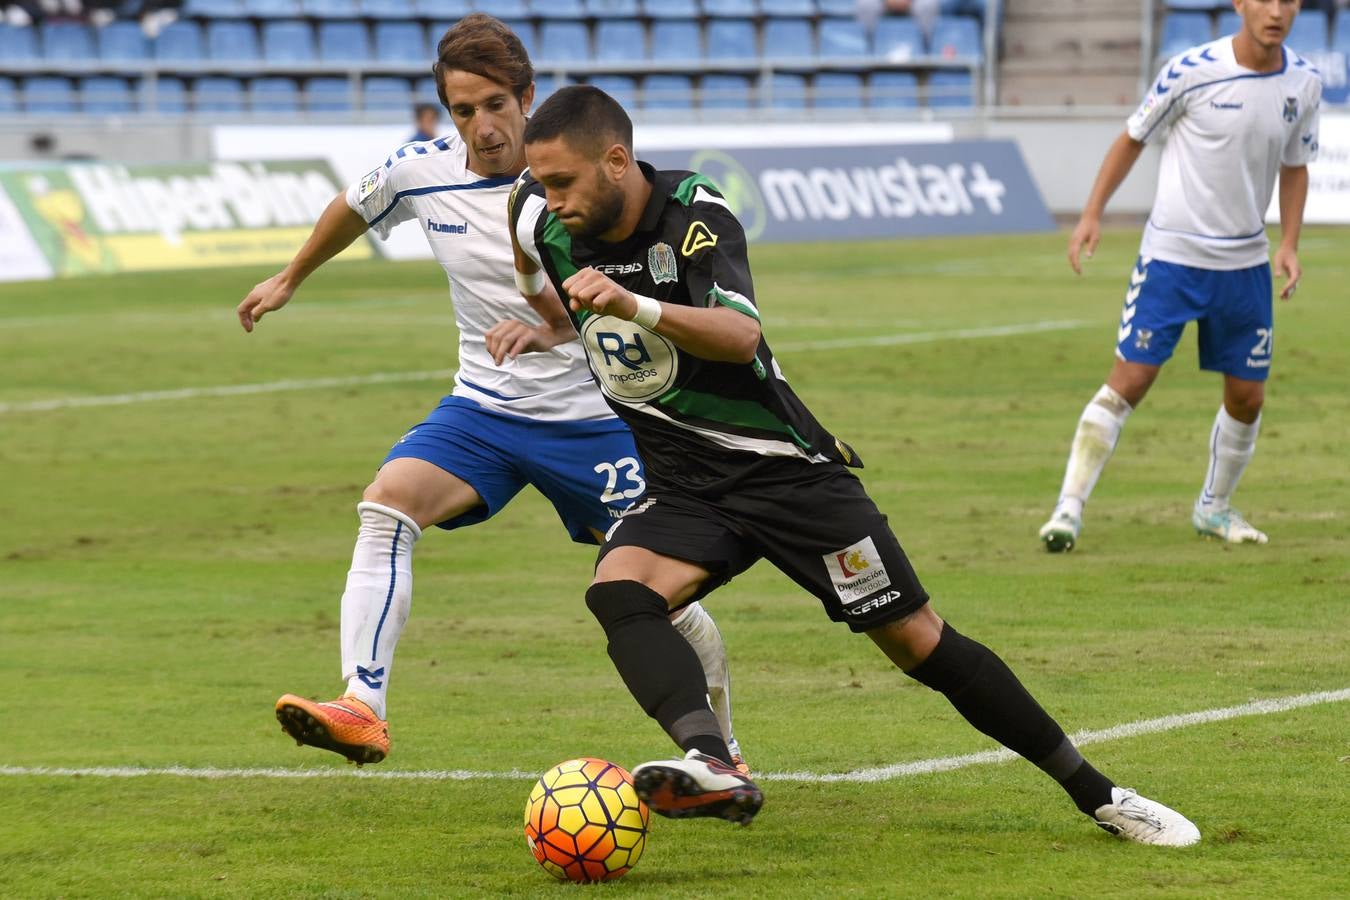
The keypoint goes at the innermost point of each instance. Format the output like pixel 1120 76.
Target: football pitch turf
pixel 174 545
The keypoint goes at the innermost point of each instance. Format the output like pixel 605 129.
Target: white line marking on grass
pixel 308 384
pixel 884 773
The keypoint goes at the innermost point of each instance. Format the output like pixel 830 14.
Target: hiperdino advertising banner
pixel 93 218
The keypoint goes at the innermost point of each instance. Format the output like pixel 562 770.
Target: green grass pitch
pixel 170 566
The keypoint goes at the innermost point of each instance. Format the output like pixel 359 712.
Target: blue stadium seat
pixel 730 9
pixel 1197 4
pixel 788 39
pixel 106 95
pixel 386 92
pixel 1182 31
pixel 523 28
pixel 506 9
pixel 838 90
pixel 1340 39
pixel 726 92
pixel 328 94
pixel 898 38
pixel 622 88
pixel 786 91
pixel 893 90
pixel 544 85
pixel 274 94
pixel 272 9
pixel 443 9
pixel 346 41
pixel 676 40
pixel 424 90
pixel 400 42
pixel 843 39
pixel 181 40
pixel 556 9
pixel 951 89
pixel 67 41
pixel 669 92
pixel 671 9
pixel 165 94
pixel 330 9
pixel 620 40
pixel 18 43
pixel 232 39
pixel 732 39
pixel 788 7
pixel 838 7
pixel 382 10
pixel 122 41
pixel 564 42
pixel 1309 34
pixel 214 9
pixel 600 9
pixel 9 96
pixel 217 93
pixel 953 37
pixel 1229 23
pixel 48 94
pixel 287 41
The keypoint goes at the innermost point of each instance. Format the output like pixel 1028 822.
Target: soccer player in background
pixel 1235 112
pixel 738 468
pixel 540 421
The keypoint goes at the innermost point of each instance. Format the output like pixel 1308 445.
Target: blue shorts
pixel 589 471
pixel 1233 310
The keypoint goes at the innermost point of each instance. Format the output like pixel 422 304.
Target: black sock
pixel 986 692
pixel 660 668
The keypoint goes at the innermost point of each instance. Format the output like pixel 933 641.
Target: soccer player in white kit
pixel 538 420
pixel 1236 112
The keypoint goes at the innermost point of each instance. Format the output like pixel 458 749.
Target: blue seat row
pixel 790 91
pixel 1311 32
pixel 610 40
pixel 506 9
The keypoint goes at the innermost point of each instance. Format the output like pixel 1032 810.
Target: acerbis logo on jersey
pixel 631 363
pixel 696 238
pixel 857 571
pixel 619 269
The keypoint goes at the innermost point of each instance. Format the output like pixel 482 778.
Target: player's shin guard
pixel 1231 446
pixel 986 692
pixel 1098 431
pixel 376 602
pixel 697 627
pixel 659 667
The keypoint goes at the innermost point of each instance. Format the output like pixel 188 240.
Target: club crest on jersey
pixel 370 184
pixel 697 238
pixel 661 263
pixel 1290 108
pixel 857 571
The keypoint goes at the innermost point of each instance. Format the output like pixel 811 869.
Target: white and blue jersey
pixel 539 419
pixel 1204 256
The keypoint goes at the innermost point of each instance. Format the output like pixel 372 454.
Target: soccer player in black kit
pixel 653 269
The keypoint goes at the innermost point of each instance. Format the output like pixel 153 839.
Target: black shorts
pixel 819 528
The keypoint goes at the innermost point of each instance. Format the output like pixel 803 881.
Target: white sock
pixel 699 629
pixel 376 602
pixel 1231 446
pixel 1098 430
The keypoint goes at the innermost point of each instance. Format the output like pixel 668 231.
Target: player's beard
pixel 606 211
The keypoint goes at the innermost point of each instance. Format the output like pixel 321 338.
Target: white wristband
pixel 530 285
pixel 648 311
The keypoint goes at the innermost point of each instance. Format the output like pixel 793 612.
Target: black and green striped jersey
pixel 698 423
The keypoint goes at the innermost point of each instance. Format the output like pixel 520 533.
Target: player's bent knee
pixel 616 603
pixel 368 509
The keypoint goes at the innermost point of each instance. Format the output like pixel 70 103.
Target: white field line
pixel 884 773
pixel 307 384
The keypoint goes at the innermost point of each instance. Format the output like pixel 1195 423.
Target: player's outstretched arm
pixel 1120 158
pixel 1293 198
pixel 337 228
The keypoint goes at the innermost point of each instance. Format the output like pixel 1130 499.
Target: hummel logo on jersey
pixel 1290 108
pixel 619 269
pixel 433 225
pixel 697 238
pixel 1217 105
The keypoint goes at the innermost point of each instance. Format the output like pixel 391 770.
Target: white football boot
pixel 1060 534
pixel 698 785
pixel 1226 525
pixel 1137 818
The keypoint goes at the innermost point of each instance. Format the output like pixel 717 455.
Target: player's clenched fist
pixel 593 292
pixel 265 297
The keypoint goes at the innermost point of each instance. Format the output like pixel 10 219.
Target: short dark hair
pixel 421 109
pixel 586 116
pixel 480 44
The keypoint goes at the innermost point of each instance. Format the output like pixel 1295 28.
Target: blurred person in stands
pixel 1236 112
pixel 426 121
pixel 539 419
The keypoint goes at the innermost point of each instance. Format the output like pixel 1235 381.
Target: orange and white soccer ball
pixel 584 822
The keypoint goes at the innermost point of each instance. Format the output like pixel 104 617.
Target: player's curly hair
pixel 480 44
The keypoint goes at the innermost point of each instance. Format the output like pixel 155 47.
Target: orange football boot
pixel 345 725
